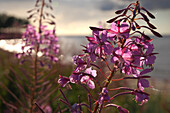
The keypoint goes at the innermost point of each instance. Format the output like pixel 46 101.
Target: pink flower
pixel 119 30
pixel 148 57
pixel 142 83
pixel 81 64
pixel 46 40
pixel 63 81
pixel 74 77
pixel 87 79
pixel 104 96
pixel 141 97
pixel 98 46
pixel 122 56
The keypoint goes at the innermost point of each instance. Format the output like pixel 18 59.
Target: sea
pixel 72 45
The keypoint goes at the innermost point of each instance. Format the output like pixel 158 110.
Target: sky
pixel 73 17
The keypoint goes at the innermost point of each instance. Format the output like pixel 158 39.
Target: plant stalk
pixel 109 79
pixel 35 61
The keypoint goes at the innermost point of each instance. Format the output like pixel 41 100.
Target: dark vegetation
pixel 7 21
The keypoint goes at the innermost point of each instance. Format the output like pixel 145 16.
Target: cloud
pixel 156 4
pixel 75 16
pixel 106 5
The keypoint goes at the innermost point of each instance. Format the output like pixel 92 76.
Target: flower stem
pixel 33 90
pixel 109 79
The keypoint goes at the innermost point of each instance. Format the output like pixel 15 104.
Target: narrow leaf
pixel 39 108
pixel 133 27
pixel 59 108
pixel 8 104
pixel 89 100
pixel 52 16
pixel 64 96
pixel 96 29
pixel 36 4
pixel 30 16
pixel 113 19
pixel 124 13
pixel 137 25
pixel 148 13
pixel 146 36
pixel 156 33
pixel 51 7
pixel 12 94
pixel 29 11
pixel 48 95
pixel 52 23
pixel 79 101
pixel 119 11
pixel 18 83
pixel 144 17
pixel 151 25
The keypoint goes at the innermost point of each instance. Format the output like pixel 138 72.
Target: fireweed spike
pixel 125 49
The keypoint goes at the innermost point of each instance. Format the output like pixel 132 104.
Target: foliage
pixel 11 21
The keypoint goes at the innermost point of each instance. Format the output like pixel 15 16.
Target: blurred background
pixel 73 18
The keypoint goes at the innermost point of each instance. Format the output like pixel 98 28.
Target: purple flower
pixel 122 56
pixel 83 76
pixel 77 60
pixel 87 79
pixel 104 96
pixel 142 83
pixel 141 96
pixel 46 41
pixel 142 50
pixel 148 57
pixel 143 54
pixel 92 50
pixel 98 45
pixel 81 64
pixel 63 81
pixel 90 71
pixel 74 77
pixel 119 31
pixel 130 69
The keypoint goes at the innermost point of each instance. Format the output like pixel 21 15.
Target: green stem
pixel 109 79
pixel 34 83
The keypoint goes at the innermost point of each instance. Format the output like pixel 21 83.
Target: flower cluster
pixel 44 43
pixel 82 74
pixel 123 47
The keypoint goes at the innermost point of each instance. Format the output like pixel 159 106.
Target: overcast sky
pixel 73 17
